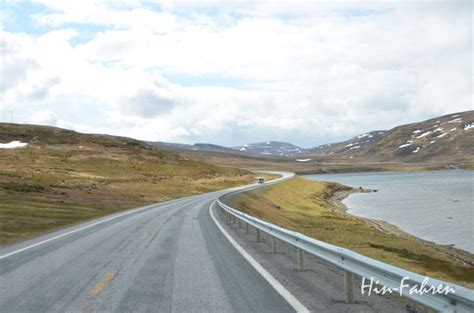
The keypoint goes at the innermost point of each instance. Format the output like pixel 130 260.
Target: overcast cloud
pixel 305 72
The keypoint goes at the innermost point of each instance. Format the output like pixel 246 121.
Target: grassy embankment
pixel 63 177
pixel 308 207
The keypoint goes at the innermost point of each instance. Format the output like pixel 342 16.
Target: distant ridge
pixel 444 138
pixel 271 148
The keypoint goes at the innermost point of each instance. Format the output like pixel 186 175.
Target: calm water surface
pixel 435 206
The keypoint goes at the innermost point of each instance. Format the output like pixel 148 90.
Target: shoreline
pixel 458 255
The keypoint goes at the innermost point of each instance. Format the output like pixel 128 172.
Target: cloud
pixel 306 72
pixel 46 117
pixel 15 66
pixel 14 72
pixel 41 92
pixel 148 103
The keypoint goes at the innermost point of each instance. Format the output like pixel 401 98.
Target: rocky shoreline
pixel 458 255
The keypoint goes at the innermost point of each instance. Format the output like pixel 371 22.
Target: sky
pixel 234 72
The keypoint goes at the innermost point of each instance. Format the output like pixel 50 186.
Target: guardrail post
pixel 300 259
pixel 258 234
pixel 274 244
pixel 247 231
pixel 349 286
pixel 233 219
pixel 240 223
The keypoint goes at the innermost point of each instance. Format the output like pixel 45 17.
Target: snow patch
pixel 432 141
pixel 302 160
pixel 417 131
pixel 453 129
pixel 442 135
pixel 424 134
pixel 351 144
pixel 364 135
pixel 456 120
pixel 416 150
pixel 468 126
pixel 439 129
pixel 404 145
pixel 12 145
pixel 355 147
pixel 243 149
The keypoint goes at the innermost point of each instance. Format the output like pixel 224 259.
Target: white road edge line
pixel 75 231
pixel 292 301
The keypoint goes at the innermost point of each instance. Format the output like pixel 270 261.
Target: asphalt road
pixel 169 257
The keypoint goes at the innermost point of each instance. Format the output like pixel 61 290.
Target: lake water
pixel 435 206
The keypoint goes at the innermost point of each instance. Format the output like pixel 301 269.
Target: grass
pixel 26 215
pixel 306 206
pixel 63 177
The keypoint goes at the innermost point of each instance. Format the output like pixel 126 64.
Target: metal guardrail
pixel 462 300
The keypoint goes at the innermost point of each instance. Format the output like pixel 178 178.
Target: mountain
pixel 448 137
pixel 195 147
pixel 271 148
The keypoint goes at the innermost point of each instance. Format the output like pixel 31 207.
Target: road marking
pixel 102 283
pixel 292 301
pixel 145 236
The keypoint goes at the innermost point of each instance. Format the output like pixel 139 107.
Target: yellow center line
pixel 145 236
pixel 102 283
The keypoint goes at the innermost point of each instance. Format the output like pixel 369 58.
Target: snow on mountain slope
pixel 271 148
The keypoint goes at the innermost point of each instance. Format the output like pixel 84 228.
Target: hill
pixel 170 146
pixel 445 138
pixel 54 177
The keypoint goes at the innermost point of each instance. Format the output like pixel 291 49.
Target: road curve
pixel 168 257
